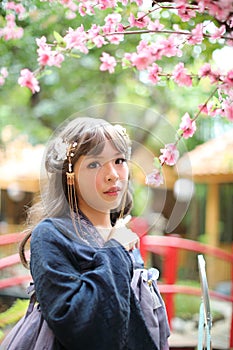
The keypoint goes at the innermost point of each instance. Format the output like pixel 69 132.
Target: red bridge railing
pixel 10 261
pixel 168 247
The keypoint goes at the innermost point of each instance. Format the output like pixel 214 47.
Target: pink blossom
pixel 148 53
pixel 196 35
pixel 219 32
pixel 58 58
pixel 108 63
pixel 112 19
pixel 153 50
pixel 210 109
pixel 99 41
pixel 157 49
pixel 44 52
pixel 206 71
pixel 154 72
pixel 2 81
pixel 219 9
pixel 82 9
pixel 143 45
pixel 47 57
pixel 138 2
pixel 11 31
pixel 95 37
pixel 4 72
pixel 85 8
pixel 115 39
pixel 228 81
pixel 155 25
pixel 70 5
pixel 141 60
pixel 126 60
pixel 144 57
pixel 184 11
pixel 228 111
pixel 18 8
pixel 104 4
pixel 76 39
pixel 112 24
pixel 71 15
pixel 188 126
pixel 203 108
pixel 28 79
pixel 169 47
pixel 155 178
pixel 141 21
pixel 3 75
pixel 180 75
pixel 169 154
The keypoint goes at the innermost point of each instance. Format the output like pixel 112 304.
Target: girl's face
pixel 101 180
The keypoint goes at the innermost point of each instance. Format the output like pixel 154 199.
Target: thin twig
pixel 148 31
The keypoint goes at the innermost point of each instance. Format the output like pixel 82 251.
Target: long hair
pixel 89 135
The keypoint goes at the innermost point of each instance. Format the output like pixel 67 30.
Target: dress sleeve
pixel 84 309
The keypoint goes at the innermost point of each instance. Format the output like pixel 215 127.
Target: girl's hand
pixel 125 236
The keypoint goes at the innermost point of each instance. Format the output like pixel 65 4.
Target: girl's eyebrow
pixel 102 157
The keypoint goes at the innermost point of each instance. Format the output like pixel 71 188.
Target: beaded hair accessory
pixel 72 198
pixel 69 155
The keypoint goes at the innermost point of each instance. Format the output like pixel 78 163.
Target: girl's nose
pixel 111 173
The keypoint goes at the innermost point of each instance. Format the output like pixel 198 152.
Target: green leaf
pixel 90 45
pixel 171 84
pixel 216 103
pixel 74 55
pixel 59 39
pixel 126 63
pixel 43 73
pixel 195 81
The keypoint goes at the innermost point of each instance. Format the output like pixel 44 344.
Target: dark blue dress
pixel 84 289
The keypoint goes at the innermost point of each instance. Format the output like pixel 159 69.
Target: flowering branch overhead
pixel 198 22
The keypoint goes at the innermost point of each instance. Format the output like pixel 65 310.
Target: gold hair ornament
pixel 70 154
pixel 72 198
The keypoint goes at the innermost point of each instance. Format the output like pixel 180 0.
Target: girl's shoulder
pixel 53 228
pixel 57 229
pixel 43 226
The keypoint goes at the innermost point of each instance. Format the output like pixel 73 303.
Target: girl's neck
pixel 98 219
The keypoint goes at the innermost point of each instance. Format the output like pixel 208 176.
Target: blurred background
pixel 196 200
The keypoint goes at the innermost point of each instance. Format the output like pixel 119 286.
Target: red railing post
pixel 140 227
pixel 231 295
pixel 170 265
pixel 143 251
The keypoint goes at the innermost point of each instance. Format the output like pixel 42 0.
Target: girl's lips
pixel 113 191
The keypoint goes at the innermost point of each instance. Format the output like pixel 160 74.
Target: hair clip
pixel 70 154
pixel 121 130
pixel 60 149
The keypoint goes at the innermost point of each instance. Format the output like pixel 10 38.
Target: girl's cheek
pixel 124 173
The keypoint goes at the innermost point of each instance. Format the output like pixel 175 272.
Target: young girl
pixel 82 257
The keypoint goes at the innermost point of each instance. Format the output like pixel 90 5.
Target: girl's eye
pixel 120 160
pixel 93 165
